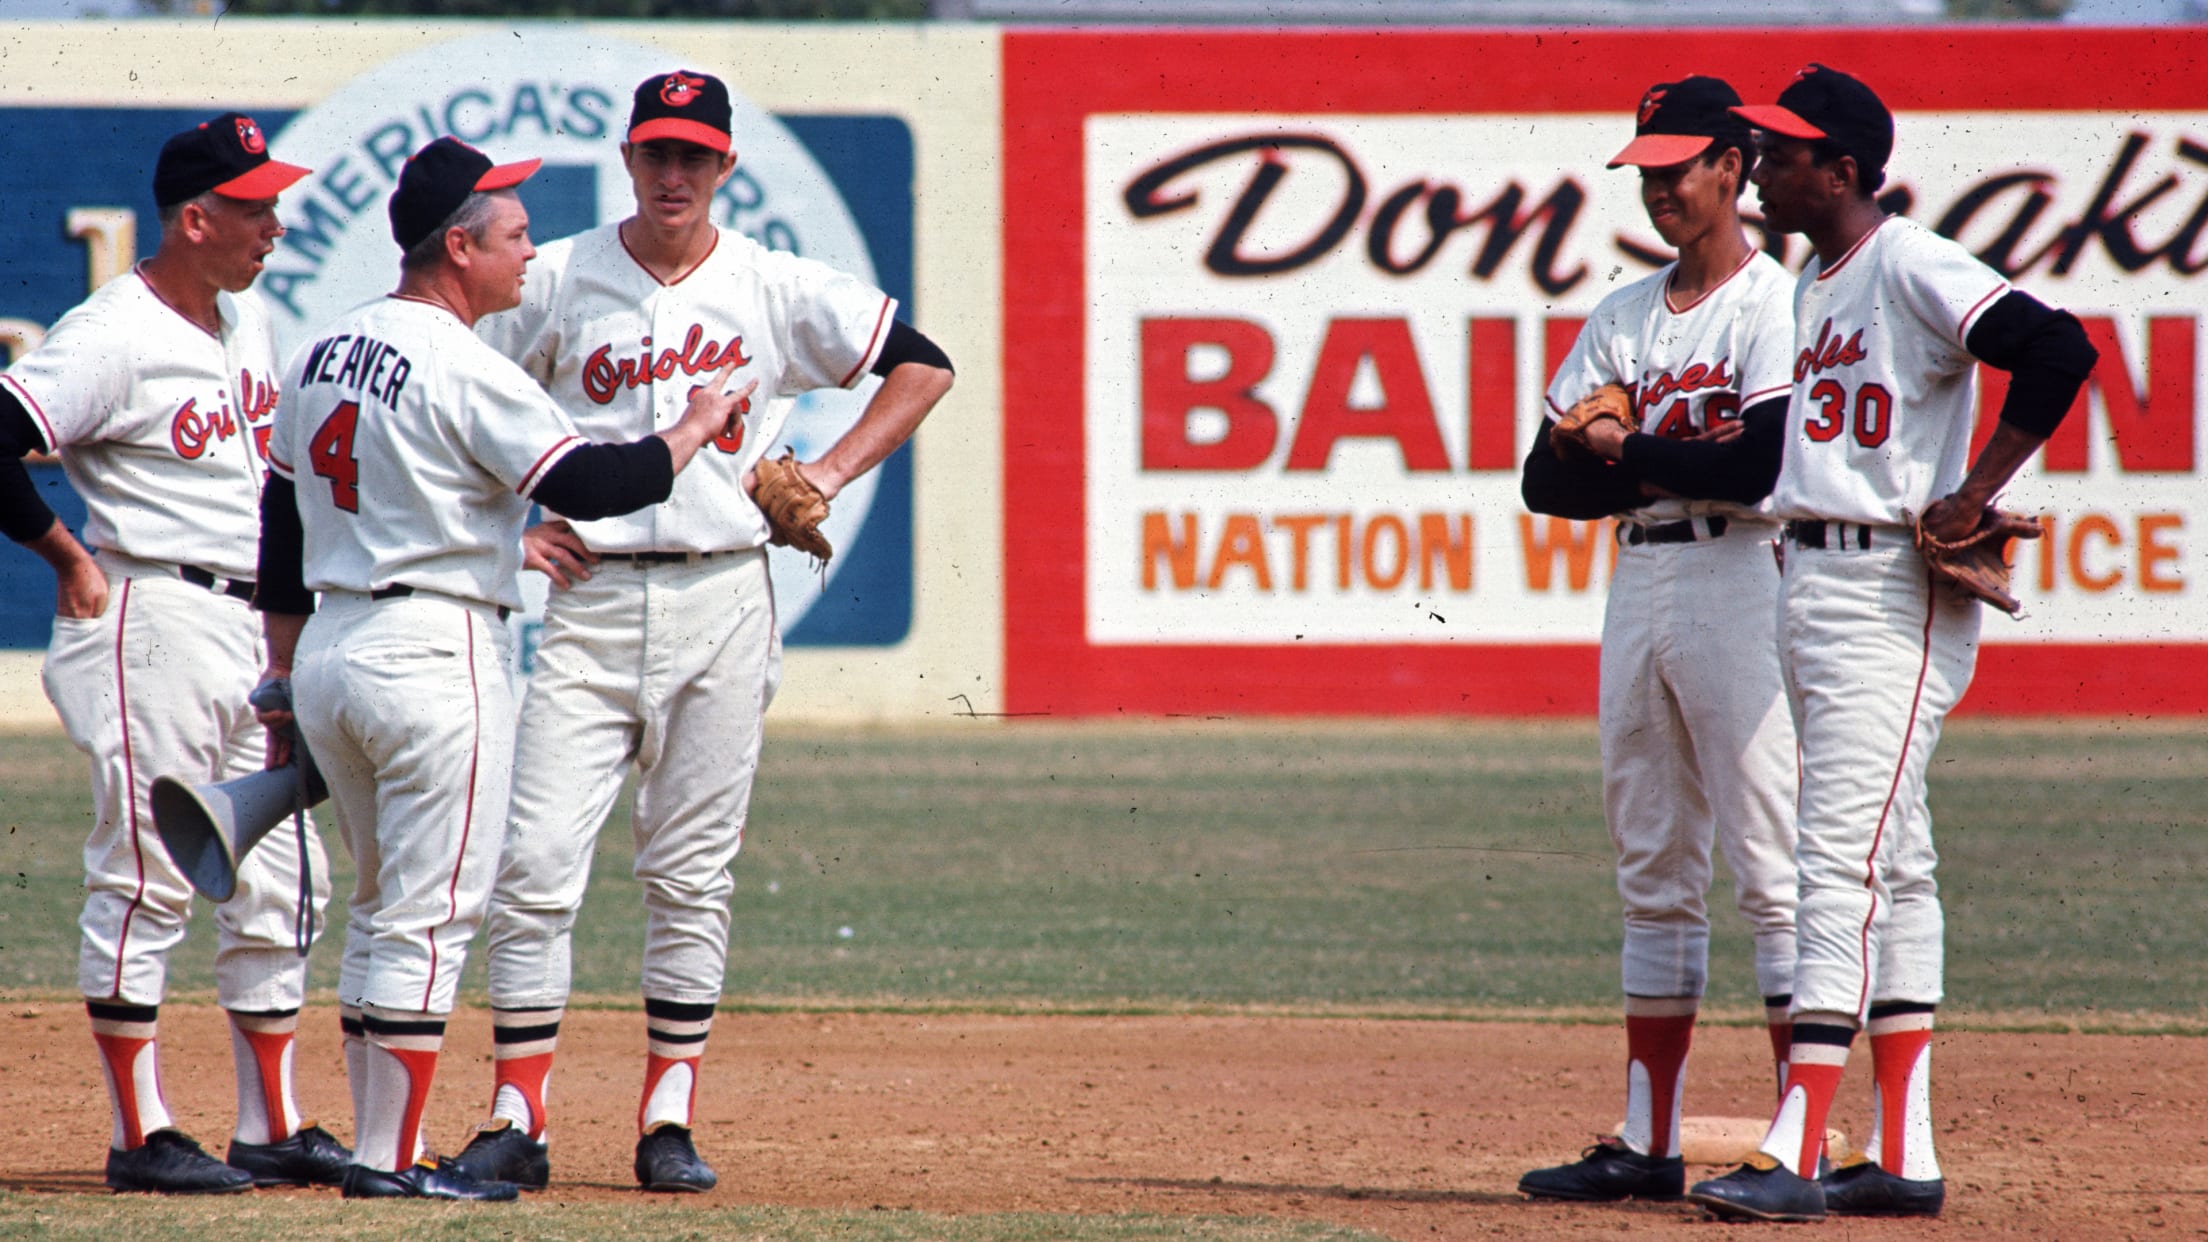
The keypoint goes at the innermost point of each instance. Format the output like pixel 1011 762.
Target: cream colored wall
pixel 942 81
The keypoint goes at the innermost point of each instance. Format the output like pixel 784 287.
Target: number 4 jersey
pixel 1879 424
pixel 413 447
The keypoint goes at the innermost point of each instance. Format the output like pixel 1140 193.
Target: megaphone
pixel 208 828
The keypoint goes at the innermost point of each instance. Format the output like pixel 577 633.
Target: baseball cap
pixel 1826 103
pixel 692 107
pixel 1678 120
pixel 438 178
pixel 228 155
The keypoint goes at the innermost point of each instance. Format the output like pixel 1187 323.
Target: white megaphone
pixel 207 829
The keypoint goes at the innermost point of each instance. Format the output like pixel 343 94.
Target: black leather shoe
pixel 311 1157
pixel 1761 1189
pixel 1606 1172
pixel 1865 1189
pixel 424 1180
pixel 168 1163
pixel 666 1160
pixel 503 1153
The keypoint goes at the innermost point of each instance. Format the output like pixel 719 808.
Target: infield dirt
pixel 1408 1128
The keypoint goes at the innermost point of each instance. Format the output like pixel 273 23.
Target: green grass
pixel 274 1218
pixel 1443 868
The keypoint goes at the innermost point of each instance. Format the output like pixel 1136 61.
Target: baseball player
pixel 1890 321
pixel 660 649
pixel 405 458
pixel 157 392
pixel 1697 744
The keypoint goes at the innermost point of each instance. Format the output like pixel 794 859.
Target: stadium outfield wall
pixel 1251 327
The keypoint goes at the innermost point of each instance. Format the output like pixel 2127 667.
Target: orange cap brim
pixel 507 176
pixel 266 181
pixel 1660 150
pixel 1781 121
pixel 683 131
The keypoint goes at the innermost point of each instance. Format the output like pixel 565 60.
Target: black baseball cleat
pixel 1865 1189
pixel 424 1180
pixel 168 1163
pixel 666 1160
pixel 503 1152
pixel 312 1157
pixel 1761 1189
pixel 1606 1172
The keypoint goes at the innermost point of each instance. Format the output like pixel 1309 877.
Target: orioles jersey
pixel 1880 422
pixel 162 427
pixel 620 351
pixel 1689 367
pixel 413 448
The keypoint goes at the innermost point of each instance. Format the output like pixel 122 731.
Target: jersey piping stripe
pixel 1748 399
pixel 1860 242
pixel 130 787
pixel 138 269
pixel 1962 327
pixel 1901 765
pixel 536 473
pixel 31 403
pixel 1706 293
pixel 873 344
pixel 621 235
pixel 467 818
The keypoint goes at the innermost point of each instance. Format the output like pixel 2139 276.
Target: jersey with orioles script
pixel 1689 367
pixel 162 426
pixel 413 448
pixel 620 350
pixel 1880 422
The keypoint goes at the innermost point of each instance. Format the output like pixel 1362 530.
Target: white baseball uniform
pixel 667 657
pixel 413 449
pixel 1697 744
pixel 1875 656
pixel 161 427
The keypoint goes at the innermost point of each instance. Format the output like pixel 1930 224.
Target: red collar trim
pixel 1706 293
pixel 1860 242
pixel 621 234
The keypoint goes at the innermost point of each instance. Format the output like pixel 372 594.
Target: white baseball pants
pixel 408 708
pixel 156 686
pixel 1698 746
pixel 668 667
pixel 1875 658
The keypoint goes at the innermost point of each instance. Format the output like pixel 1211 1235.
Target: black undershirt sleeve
pixel 1571 489
pixel 2044 350
pixel 906 344
pixel 608 480
pixel 1741 470
pixel 280 581
pixel 23 514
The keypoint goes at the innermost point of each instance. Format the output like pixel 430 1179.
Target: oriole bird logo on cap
pixel 679 90
pixel 1649 101
pixel 249 135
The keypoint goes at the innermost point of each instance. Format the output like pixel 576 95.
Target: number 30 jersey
pixel 413 447
pixel 1879 425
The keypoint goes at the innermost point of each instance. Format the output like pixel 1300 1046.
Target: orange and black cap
pixel 438 178
pixel 1826 104
pixel 690 107
pixel 1679 120
pixel 226 156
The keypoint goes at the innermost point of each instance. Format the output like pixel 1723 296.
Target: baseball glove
pixel 1978 563
pixel 794 508
pixel 1569 434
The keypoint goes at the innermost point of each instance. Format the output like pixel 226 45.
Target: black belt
pixel 399 590
pixel 659 558
pixel 235 588
pixel 1684 531
pixel 1840 536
